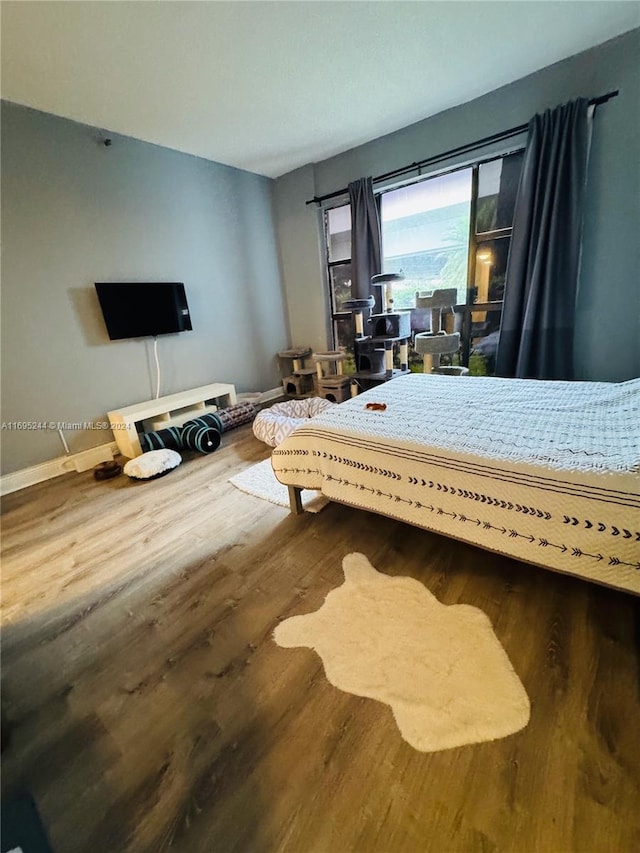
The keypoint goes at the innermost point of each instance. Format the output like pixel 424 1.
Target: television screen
pixel 134 310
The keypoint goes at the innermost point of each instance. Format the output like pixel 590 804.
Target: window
pixel 425 234
pixel 449 231
pixel 497 183
pixel 337 224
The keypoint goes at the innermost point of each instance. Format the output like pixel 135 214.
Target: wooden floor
pixel 151 710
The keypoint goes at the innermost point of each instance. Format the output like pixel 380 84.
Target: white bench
pixel 186 403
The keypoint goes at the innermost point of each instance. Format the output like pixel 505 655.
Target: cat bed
pixel 276 423
pixel 152 464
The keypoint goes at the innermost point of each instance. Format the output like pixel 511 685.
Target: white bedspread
pixel 548 472
pixel 574 426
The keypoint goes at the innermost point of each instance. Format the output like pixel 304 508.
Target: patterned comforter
pixel 547 472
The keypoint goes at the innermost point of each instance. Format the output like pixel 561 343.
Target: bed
pixel 546 472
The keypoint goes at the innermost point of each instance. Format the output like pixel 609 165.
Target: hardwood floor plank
pixel 151 709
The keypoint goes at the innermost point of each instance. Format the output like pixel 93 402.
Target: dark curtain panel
pixel 366 253
pixel 536 334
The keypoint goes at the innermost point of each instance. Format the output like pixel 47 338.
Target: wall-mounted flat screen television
pixel 135 310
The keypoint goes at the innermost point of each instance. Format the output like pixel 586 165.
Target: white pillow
pixel 152 464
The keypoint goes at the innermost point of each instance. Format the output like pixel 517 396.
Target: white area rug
pixel 260 481
pixel 441 668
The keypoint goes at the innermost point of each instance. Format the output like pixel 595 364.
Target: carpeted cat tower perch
pixel 437 342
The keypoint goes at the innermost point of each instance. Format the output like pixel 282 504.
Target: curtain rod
pixel 462 149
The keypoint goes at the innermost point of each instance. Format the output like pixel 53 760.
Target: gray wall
pixel 75 212
pixel 301 244
pixel 608 312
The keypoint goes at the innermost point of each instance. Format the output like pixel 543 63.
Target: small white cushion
pixel 276 423
pixel 152 464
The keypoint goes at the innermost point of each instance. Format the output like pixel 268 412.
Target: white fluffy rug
pixel 441 668
pixel 260 481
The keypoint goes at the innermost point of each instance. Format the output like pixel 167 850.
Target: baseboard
pixel 260 398
pixel 272 394
pixel 81 461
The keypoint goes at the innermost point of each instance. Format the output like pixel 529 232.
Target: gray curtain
pixel 366 253
pixel 536 334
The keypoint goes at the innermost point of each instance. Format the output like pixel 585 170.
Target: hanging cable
pixel 155 352
pixel 64 442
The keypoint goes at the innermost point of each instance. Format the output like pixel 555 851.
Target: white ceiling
pixel 269 86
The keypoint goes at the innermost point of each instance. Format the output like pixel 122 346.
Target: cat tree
pixel 298 379
pixel 333 384
pixel 437 342
pixel 374 350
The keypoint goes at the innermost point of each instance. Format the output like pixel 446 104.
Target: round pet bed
pixel 274 424
pixel 154 463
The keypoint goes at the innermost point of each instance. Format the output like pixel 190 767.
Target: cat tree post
pixel 332 383
pixel 358 307
pixel 300 381
pixel 385 282
pixel 435 343
pixel 433 346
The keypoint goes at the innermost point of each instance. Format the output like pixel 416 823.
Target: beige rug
pixel 441 668
pixel 260 481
